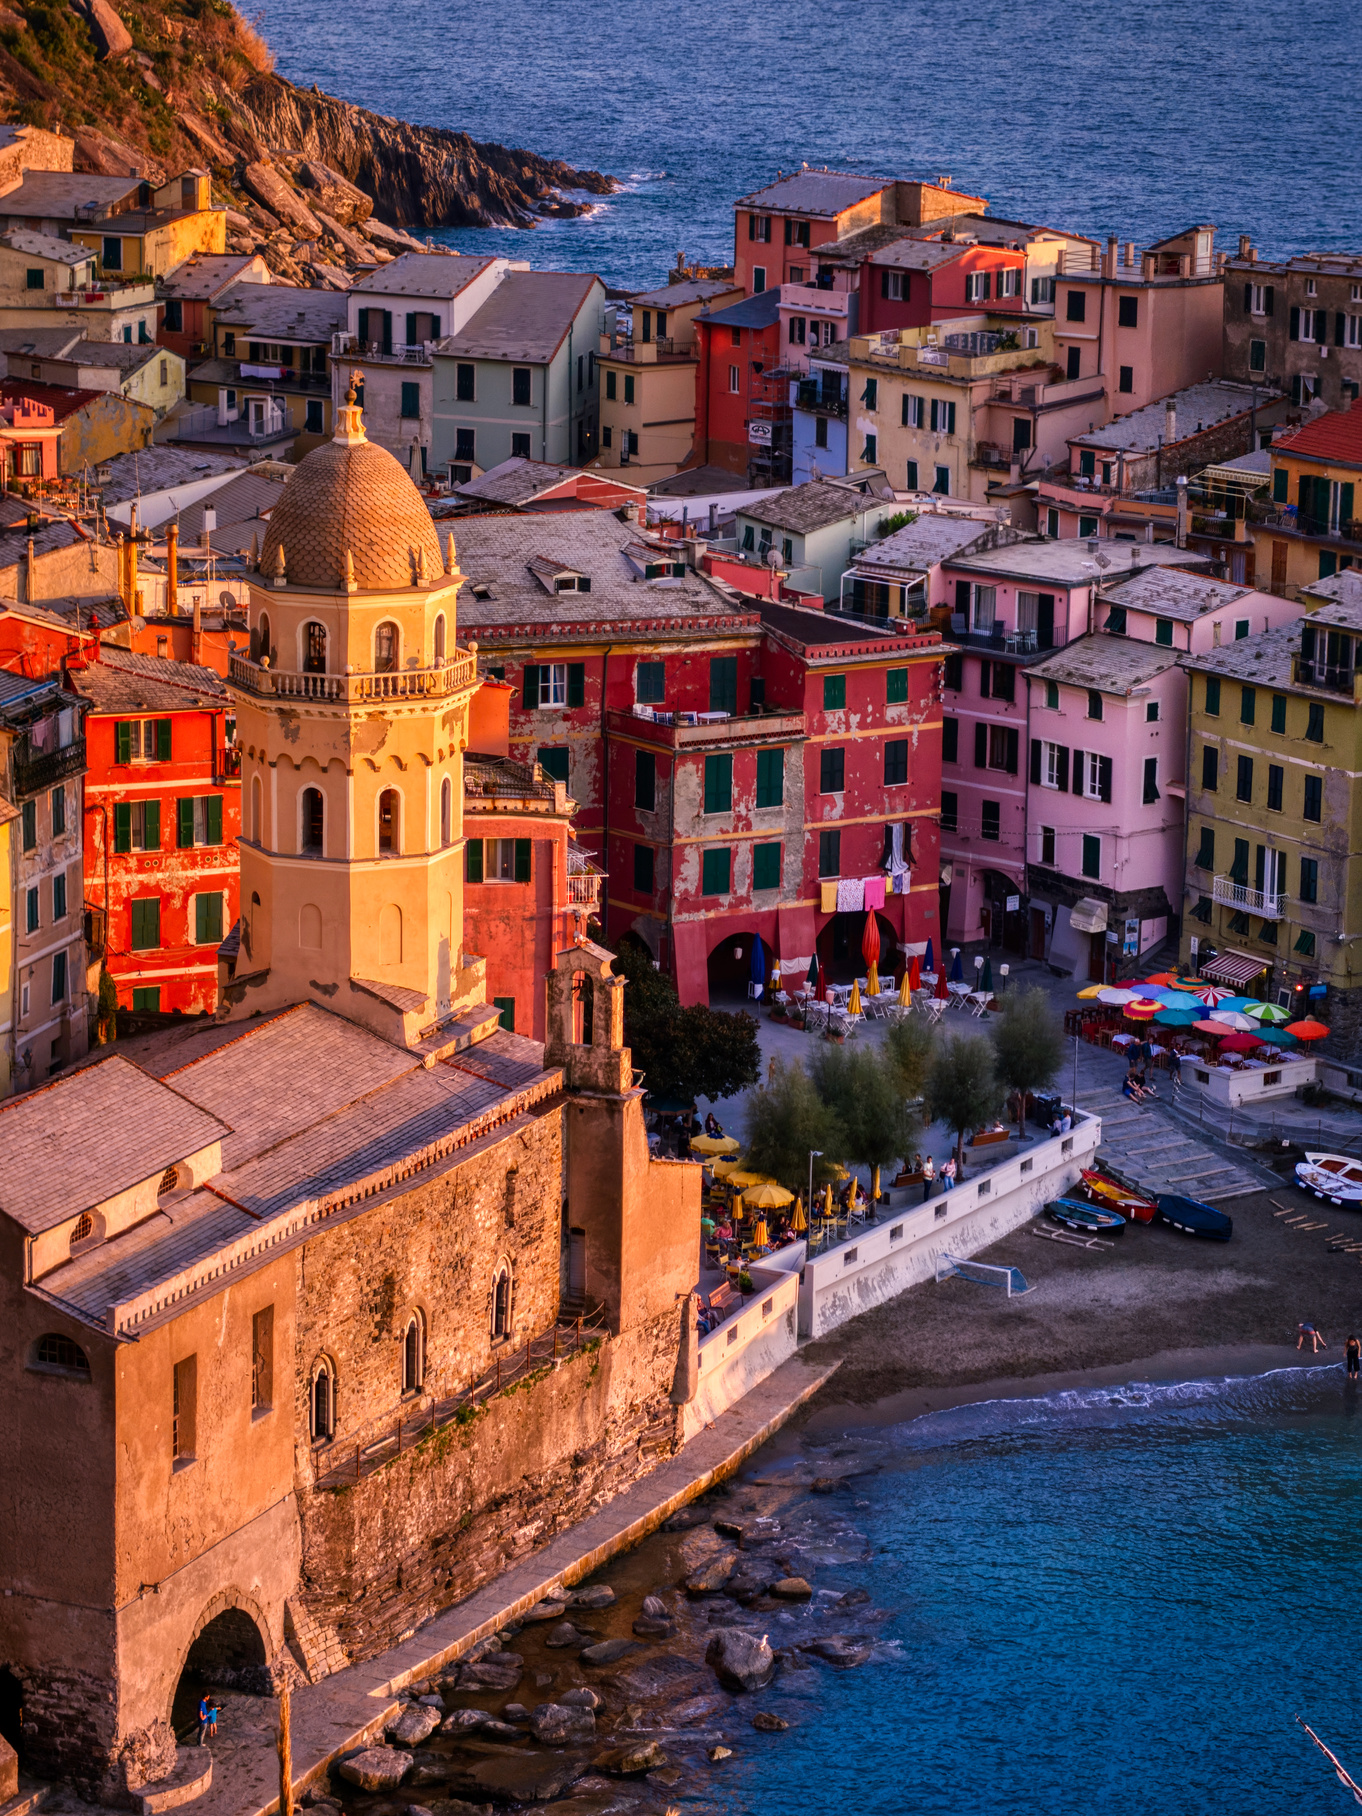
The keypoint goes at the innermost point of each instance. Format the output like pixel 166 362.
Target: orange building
pixel 162 819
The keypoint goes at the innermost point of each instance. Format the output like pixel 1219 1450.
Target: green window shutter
pixel 576 683
pixel 387 316
pixel 363 325
pixel 163 740
pixel 522 860
pixel 472 861
pixel 215 819
pixel 122 823
pixel 184 817
pixel 1280 481
pixel 506 1004
pixel 411 328
pixel 715 870
pixel 1163 631
pixel 146 924
pixel 1345 502
pixel 151 826
pixel 896 686
pixel 723 684
pixel 122 741
pixel 770 778
pixel 531 696
pixel 1213 694
pixel 200 920
pixel 766 867
pixel 719 783
pixel 834 693
pixel 208 919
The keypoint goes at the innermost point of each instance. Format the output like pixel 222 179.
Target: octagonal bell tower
pixel 352 720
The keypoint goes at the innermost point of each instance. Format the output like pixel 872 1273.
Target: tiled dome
pixel 349 495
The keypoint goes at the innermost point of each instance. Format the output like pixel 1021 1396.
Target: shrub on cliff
pixel 784 1122
pixel 683 1053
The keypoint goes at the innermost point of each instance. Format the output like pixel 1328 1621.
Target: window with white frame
pixel 1042 290
pixel 553 683
pixel 913 411
pixel 1049 767
pixel 1307 322
pixel 1092 777
pixel 734 380
pixel 1257 299
pixel 1352 331
pixel 1309 286
pixel 892 286
pixel 983 605
pixel 1009 281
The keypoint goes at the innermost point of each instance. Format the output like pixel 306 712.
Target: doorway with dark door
pixel 1039 927
pixel 1004 922
pixel 1097 958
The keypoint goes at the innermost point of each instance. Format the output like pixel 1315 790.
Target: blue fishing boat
pixel 1091 1219
pixel 1194 1218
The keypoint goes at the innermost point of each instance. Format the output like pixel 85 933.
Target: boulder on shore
pixel 626 1761
pixel 741 1660
pixel 710 1578
pixel 556 1724
pixel 376 1768
pixel 413 1725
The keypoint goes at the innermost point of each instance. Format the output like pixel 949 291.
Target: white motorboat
pixel 1336 1178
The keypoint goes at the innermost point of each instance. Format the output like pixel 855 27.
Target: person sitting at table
pixel 712 1126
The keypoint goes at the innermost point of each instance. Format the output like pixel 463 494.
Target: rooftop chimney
pixel 1110 270
pixel 1170 421
pixel 172 568
pixel 1130 253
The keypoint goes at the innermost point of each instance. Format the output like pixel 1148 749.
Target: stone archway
pixel 228 1649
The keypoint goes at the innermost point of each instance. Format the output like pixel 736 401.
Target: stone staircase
pixel 29 1798
pixel 315 1646
pixel 1155 1149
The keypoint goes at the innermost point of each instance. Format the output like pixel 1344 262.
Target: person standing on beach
pixel 1353 1351
pixel 1317 1342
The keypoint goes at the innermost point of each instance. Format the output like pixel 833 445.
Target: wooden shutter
pixel 122 741
pixel 1248 299
pixel 184 821
pixel 387 316
pixel 363 325
pixel 472 861
pixel 962 597
pixel 1013 750
pixel 1293 331
pixel 1078 772
pixel 163 740
pixel 576 683
pixel 522 860
pixel 984 671
pixel 1035 759
pixel 1268 296
pixel 1104 777
pixel 1340 327
pixel 151 826
pixel 1321 325
pixel 411 328
pixel 1345 502
pixel 531 695
pixel 884 285
pixel 122 822
pixel 1062 771
pixel 980 745
pixel 215 819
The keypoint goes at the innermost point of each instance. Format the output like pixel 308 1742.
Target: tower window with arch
pixel 439 638
pixel 446 812
pixel 502 1293
pixel 414 1354
pixel 385 648
pixel 262 638
pixel 322 1402
pixel 313 820
pixel 257 810
pixel 314 648
pixel 389 822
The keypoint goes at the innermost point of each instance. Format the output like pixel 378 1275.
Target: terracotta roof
pixel 813 506
pixel 123 681
pixel 354 498
pixel 81 1140
pixel 1337 435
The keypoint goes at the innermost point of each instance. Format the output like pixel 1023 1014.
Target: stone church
pixel 262 1278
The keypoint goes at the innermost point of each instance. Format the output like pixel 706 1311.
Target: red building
pixel 192 293
pixel 916 281
pixel 162 819
pixel 742 401
pixel 29 437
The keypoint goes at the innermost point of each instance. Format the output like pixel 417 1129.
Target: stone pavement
pixel 353 1707
pixel 1156 1148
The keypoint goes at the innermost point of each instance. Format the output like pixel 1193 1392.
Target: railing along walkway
pixel 566 1339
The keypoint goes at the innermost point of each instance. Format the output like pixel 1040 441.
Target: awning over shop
pixel 1089 915
pixel 1234 968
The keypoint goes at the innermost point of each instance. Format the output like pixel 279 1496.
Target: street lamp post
pixel 814 1154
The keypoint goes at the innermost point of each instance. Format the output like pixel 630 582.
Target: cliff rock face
pixel 191 84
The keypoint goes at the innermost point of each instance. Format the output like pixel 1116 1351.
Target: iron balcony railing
pixel 399 353
pixel 354 689
pixel 1336 677
pixel 813 396
pixel 1271 905
pixel 35 770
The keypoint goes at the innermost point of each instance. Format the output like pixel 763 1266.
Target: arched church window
pixel 388 830
pixel 314 648
pixel 439 639
pixel 314 819
pixel 501 1303
pixel 385 649
pixel 446 812
pixel 413 1355
pixel 322 1402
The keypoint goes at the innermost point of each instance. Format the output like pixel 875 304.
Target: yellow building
pixel 1311 527
pixel 132 228
pixel 1274 806
pixel 647 379
pixel 352 720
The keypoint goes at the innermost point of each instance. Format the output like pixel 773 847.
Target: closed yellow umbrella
pixel 799 1222
pixel 760 1236
pixel 735 1209
pixel 872 982
pixel 827 1200
pixel 854 1006
pixel 905 994
pixel 769 1197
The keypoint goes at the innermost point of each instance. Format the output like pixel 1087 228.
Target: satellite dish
pixel 773 557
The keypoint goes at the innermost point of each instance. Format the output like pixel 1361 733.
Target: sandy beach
pixel 1155 1305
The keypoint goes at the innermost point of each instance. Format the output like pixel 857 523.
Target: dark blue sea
pixel 1113 1600
pixel 1132 117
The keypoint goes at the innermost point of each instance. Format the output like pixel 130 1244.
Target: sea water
pixel 1136 118
pixel 1106 1600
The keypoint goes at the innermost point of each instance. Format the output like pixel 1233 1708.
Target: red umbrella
pixel 914 973
pixel 1209 1027
pixel 1240 1043
pixel 941 993
pixel 1307 1030
pixel 870 939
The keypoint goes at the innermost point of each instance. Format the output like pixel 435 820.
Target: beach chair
pixel 935 1010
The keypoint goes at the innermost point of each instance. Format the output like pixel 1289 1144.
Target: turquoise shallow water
pixel 1109 1600
pixel 1135 118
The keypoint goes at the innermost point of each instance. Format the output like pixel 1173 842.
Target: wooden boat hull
pixel 1091 1219
pixel 1192 1218
pixel 1332 1178
pixel 1115 1193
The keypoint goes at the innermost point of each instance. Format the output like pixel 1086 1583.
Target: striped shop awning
pixel 1234 968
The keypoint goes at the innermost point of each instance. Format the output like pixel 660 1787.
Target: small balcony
pixel 1232 894
pixel 1334 677
pixel 827 400
pixel 227 764
pixel 584 878
pixel 361 689
pixel 36 770
pixel 679 730
pixel 398 353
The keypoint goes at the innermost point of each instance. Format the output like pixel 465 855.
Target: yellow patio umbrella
pixel 854 1006
pixel 827 1200
pixel 799 1222
pixel 724 1169
pixel 769 1196
pixel 872 982
pixel 905 993
pixel 715 1144
pixel 735 1208
pixel 761 1236
pixel 1088 994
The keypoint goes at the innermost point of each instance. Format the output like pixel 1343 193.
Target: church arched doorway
pixel 228 1652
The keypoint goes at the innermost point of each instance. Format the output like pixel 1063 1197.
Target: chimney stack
pixel 1170 422
pixel 1110 270
pixel 173 568
pixel 1245 246
pixel 1130 254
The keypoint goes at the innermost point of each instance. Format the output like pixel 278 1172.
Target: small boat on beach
pixel 1091 1219
pixel 1194 1218
pixel 1105 1186
pixel 1336 1178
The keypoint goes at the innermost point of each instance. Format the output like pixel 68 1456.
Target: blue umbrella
pixel 1275 1037
pixel 957 974
pixel 758 961
pixel 929 963
pixel 1177 1018
pixel 812 979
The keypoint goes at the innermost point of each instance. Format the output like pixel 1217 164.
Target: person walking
pixel 1353 1351
pixel 1175 1065
pixel 1317 1341
pixel 205 1719
pixel 948 1175
pixel 928 1178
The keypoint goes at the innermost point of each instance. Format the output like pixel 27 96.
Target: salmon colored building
pixel 742 406
pixel 162 819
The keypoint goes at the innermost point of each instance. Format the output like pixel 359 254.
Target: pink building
pixel 811 320
pixel 29 434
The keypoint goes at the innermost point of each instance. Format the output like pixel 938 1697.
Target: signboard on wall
pixel 1131 946
pixel 759 434
pixel 1013 904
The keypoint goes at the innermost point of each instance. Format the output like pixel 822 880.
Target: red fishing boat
pixel 1105 1186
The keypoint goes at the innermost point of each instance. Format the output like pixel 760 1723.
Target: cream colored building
pixel 647 379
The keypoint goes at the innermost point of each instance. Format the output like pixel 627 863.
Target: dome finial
pixel 280 567
pixel 451 559
pixel 350 417
pixel 350 585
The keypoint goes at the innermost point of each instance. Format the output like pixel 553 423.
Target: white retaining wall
pixel 749 1344
pixel 1231 1087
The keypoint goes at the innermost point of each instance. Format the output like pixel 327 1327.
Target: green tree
pixel 963 1089
pixel 910 1047
pixel 787 1120
pixel 683 1053
pixel 1028 1043
pixel 861 1085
